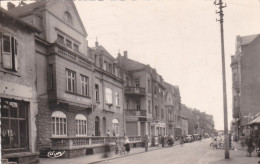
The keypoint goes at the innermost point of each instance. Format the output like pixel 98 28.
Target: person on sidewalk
pixel 146 141
pixel 250 146
pixel 127 145
pixel 181 141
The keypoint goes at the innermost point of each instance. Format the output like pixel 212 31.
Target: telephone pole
pixel 220 12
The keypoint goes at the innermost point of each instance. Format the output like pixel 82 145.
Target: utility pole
pixel 220 12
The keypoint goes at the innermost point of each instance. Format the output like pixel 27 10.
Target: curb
pixel 108 159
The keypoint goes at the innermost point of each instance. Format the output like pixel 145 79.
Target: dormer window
pixel 68 17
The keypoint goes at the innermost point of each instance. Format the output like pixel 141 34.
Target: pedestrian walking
pixel 250 146
pixel 127 145
pixel 181 141
pixel 146 141
pixel 163 141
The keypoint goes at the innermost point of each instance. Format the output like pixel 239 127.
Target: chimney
pixel 96 43
pixel 10 5
pixel 125 54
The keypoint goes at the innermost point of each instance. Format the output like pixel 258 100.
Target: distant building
pixel 18 93
pixel 184 122
pixel 144 98
pixel 108 93
pixel 173 108
pixel 246 80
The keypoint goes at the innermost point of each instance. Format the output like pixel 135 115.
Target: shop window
pixel 59 124
pixel 81 125
pixel 14 125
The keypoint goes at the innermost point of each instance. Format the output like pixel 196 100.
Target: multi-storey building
pixel 108 93
pixel 18 101
pixel 187 112
pixel 173 110
pixel 76 99
pixel 144 102
pixel 246 80
pixel 184 124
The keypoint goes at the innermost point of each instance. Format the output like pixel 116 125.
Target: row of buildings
pixel 58 93
pixel 245 82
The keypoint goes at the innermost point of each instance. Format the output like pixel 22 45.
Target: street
pixel 190 153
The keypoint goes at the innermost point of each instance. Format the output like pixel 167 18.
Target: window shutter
pixel 7 56
pixel 15 66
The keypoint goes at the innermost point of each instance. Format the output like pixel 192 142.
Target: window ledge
pixel 74 93
pixel 10 72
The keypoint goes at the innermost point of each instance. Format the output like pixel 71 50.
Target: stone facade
pixel 246 81
pixel 18 89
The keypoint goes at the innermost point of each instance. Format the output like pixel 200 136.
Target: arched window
pixel 81 125
pixel 68 17
pixel 59 124
pixel 115 127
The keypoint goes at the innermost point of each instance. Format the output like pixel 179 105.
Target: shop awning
pixel 255 121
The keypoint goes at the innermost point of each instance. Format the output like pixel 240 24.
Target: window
pixel 155 90
pixel 138 105
pixel 108 95
pixel 110 68
pixel 97 92
pixel 70 80
pixel 9 53
pixel 76 47
pixel 59 124
pixel 51 76
pixel 14 124
pixel 127 81
pixel 149 106
pixel 68 17
pixel 84 85
pixel 137 83
pixel 117 98
pixel 105 66
pixel 115 127
pixel 149 86
pixel 81 125
pixel 127 104
pixel 68 43
pixel 60 39
pixel 116 72
pixel 162 113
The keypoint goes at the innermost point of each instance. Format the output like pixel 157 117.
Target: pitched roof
pixel 255 121
pixel 245 40
pixel 100 48
pixel 130 65
pixel 22 10
pixel 5 13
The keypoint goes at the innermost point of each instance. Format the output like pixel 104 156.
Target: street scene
pixel 130 81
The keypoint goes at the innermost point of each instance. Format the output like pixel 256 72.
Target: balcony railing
pixel 135 91
pixel 78 142
pixel 134 112
pixel 59 49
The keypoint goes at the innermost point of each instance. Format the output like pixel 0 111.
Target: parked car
pixel 188 138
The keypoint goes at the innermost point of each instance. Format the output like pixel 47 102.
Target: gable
pixel 59 8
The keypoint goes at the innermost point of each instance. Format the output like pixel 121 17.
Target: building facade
pixel 246 80
pixel 18 92
pixel 108 93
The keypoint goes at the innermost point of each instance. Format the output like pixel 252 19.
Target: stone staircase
pixel 5 161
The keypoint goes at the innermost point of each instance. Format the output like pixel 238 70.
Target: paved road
pixel 189 153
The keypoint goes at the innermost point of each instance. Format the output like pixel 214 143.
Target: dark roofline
pixel 4 12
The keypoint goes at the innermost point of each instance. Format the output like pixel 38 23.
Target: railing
pixel 135 90
pixel 74 142
pixel 134 112
pixel 60 49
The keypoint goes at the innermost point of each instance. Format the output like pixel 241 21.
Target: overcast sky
pixel 180 38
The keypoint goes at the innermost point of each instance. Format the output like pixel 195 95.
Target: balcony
pixel 134 112
pixel 76 57
pixel 135 91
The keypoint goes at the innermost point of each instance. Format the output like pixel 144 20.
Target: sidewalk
pixel 91 159
pixel 237 156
